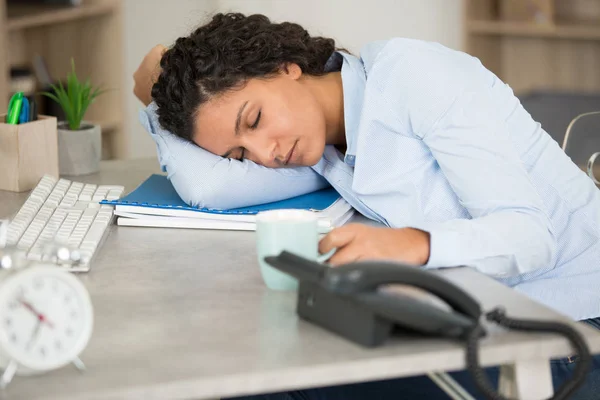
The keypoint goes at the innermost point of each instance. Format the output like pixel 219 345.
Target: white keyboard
pixel 65 212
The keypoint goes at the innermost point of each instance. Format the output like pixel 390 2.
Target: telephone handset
pixel 364 280
pixel 346 300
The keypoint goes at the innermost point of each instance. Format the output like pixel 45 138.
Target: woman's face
pixel 275 122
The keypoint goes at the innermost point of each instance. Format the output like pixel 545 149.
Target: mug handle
pixel 324 257
pixel 590 167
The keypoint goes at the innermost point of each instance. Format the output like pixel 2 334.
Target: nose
pixel 263 152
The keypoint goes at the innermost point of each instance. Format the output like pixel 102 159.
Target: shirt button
pixel 350 159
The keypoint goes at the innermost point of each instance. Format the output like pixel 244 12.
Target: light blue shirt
pixel 436 142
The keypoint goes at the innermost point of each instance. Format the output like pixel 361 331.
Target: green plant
pixel 75 99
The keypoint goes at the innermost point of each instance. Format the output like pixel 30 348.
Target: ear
pixel 292 70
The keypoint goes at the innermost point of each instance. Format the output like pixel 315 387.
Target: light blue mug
pixel 295 231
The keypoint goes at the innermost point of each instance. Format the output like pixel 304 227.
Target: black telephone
pixel 347 301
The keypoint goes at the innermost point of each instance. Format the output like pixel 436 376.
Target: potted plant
pixel 79 142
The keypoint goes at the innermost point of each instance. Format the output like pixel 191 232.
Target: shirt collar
pixel 353 81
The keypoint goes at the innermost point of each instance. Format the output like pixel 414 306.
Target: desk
pixel 183 314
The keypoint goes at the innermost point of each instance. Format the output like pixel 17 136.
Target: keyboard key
pixel 94 235
pixel 114 194
pixel 89 212
pixel 63 183
pixel 80 205
pixel 51 228
pixel 98 198
pixel 44 186
pixel 69 200
pixel 68 225
pixel 82 227
pixel 60 189
pixel 87 192
pixel 74 189
pixel 35 228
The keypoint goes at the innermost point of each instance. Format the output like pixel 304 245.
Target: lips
pixel 289 155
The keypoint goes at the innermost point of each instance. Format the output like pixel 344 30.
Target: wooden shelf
pixel 57 33
pixel 110 126
pixel 526 29
pixel 561 55
pixel 31 16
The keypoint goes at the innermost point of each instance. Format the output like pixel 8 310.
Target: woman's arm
pixel 147 73
pixel 459 111
pixel 510 232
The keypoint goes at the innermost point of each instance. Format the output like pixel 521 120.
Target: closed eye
pixel 255 124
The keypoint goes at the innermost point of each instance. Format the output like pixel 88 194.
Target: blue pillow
pixel 204 179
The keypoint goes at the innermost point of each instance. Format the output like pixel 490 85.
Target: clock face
pixel 46 317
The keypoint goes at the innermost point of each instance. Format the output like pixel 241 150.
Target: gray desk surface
pixel 184 314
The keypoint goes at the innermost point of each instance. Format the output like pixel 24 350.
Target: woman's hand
pixel 147 73
pixel 362 242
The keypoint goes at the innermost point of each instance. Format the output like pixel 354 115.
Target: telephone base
pixel 342 315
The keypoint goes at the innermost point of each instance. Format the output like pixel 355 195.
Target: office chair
pixel 582 143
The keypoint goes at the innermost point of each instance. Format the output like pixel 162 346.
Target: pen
pixel 24 114
pixel 14 108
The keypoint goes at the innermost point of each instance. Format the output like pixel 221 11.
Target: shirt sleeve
pixel 450 101
pixel 509 233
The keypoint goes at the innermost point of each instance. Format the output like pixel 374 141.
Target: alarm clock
pixel 46 315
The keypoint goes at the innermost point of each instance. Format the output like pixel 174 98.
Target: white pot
pixel 80 151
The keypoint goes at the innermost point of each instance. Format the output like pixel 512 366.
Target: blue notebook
pixel 156 203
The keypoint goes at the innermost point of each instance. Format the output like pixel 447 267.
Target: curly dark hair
pixel 223 55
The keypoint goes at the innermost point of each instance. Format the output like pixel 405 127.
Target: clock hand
pixel 36 331
pixel 41 317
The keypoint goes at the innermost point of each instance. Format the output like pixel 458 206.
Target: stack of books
pixel 155 203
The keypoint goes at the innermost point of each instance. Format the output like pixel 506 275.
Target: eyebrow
pixel 238 121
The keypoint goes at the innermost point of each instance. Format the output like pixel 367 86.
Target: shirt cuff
pixel 444 245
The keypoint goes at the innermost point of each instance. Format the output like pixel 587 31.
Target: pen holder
pixel 27 152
